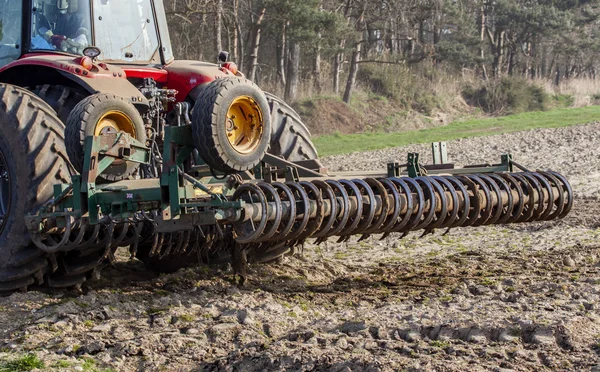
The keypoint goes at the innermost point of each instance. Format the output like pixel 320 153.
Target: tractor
pixel 107 141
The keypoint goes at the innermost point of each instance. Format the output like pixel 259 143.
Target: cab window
pixel 125 30
pixel 60 25
pixel 11 15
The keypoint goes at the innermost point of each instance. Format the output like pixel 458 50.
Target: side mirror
pixel 223 56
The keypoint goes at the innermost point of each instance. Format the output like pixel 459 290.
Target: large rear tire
pixel 290 137
pixel 33 159
pixel 62 99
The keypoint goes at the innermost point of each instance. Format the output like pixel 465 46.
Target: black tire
pixel 32 146
pixel 82 123
pixel 290 138
pixel 62 99
pixel 209 122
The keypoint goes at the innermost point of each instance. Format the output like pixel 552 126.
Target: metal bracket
pixel 440 154
pixel 291 174
pixel 413 167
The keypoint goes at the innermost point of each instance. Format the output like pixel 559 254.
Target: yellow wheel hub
pixel 114 122
pixel 244 124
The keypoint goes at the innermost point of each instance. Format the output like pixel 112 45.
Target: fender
pixel 184 76
pixel 39 68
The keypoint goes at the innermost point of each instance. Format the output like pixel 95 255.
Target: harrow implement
pixel 188 210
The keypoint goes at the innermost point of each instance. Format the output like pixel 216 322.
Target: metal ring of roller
pixel 313 224
pixel 497 207
pixel 325 189
pixel 452 216
pixel 366 218
pixel 520 202
pixel 540 202
pixel 463 211
pixel 428 217
pixel 244 235
pixel 392 218
pixel 529 209
pixel 506 211
pixel 378 189
pixel 413 217
pixel 406 204
pixel 549 196
pixel 442 215
pixel 559 203
pixel 285 194
pixel 569 200
pixel 299 225
pixel 352 219
pixel 344 207
pixel 473 200
pixel 272 197
pixel 486 213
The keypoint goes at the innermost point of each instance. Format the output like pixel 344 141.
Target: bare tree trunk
pixel 497 42
pixel 281 47
pixel 254 46
pixel 355 56
pixel 317 67
pixel 236 35
pixel 484 73
pixel 293 72
pixel 339 58
pixel 353 72
pixel 510 69
pixel 337 69
pixel 219 25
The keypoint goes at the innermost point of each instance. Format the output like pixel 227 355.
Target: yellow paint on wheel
pixel 244 124
pixel 114 122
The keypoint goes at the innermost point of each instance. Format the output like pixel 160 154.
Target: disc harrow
pixel 277 206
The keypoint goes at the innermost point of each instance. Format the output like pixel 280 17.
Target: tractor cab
pixel 126 32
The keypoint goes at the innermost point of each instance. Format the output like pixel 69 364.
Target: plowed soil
pixel 516 297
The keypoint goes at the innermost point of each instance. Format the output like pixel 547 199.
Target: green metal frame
pixel 175 191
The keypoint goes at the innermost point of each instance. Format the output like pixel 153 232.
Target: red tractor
pixel 106 141
pixel 74 68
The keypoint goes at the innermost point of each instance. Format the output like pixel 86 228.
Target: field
pixel 516 297
pixel 341 144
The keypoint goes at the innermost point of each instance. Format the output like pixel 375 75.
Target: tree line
pixel 284 43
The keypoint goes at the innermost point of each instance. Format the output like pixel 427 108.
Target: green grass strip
pixel 343 144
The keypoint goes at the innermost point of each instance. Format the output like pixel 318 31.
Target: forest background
pixel 353 66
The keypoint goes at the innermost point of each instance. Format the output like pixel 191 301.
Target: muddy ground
pixel 518 297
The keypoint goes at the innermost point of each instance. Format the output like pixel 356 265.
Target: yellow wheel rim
pixel 244 125
pixel 114 122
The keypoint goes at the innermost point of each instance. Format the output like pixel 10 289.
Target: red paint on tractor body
pixel 184 76
pixel 68 64
pixel 159 75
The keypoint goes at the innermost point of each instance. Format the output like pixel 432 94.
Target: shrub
pixel 507 95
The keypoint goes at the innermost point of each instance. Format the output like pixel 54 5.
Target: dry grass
pixel 584 91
